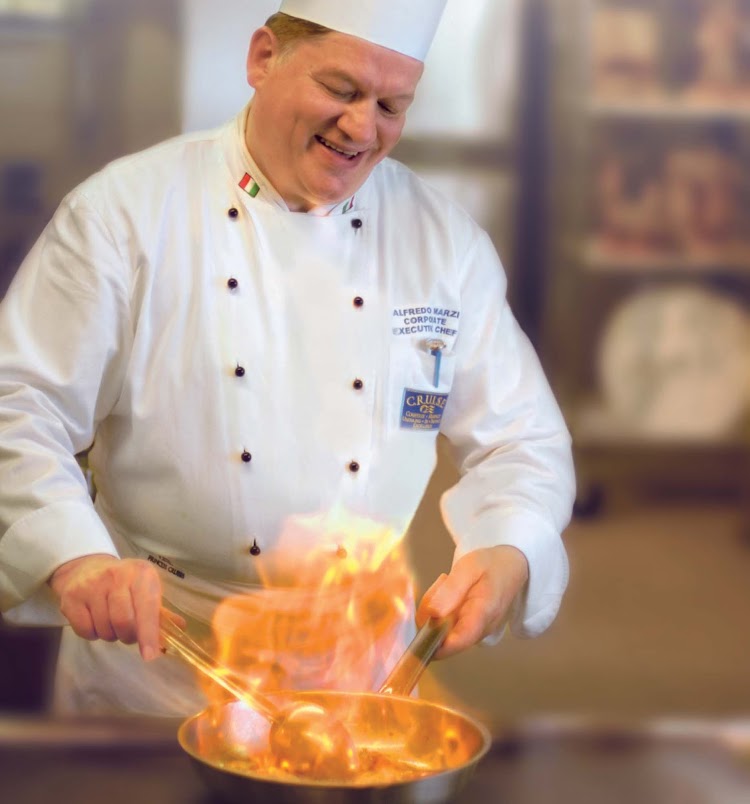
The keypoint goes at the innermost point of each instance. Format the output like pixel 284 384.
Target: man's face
pixel 325 113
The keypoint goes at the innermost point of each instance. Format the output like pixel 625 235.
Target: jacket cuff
pixel 34 547
pixel 537 604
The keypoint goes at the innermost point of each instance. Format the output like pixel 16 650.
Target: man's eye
pixel 339 93
pixel 387 108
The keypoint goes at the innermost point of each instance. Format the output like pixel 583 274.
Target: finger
pixel 80 620
pixel 424 611
pixel 122 615
pixel 452 591
pixel 147 605
pixel 98 606
pixel 470 628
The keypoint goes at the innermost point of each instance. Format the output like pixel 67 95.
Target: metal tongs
pixel 409 668
pixel 191 652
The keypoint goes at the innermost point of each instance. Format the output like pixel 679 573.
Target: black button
pixel 358 385
pixel 358 301
pixel 239 371
pixel 246 456
pixel 233 212
pixel 354 466
pixel 232 283
pixel 356 223
pixel 255 550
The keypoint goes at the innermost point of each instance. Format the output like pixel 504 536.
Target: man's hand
pixel 477 593
pixel 112 599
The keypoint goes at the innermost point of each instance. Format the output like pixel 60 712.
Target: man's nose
pixel 358 123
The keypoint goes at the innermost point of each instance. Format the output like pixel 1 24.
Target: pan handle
pixel 409 668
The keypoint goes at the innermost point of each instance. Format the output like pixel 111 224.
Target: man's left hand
pixel 477 594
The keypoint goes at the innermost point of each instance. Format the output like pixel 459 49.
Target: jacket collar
pixel 251 180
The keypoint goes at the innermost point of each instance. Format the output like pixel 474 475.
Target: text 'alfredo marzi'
pixel 414 320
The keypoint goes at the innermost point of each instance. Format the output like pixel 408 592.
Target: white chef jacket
pixel 166 272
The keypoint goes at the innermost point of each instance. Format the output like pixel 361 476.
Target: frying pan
pixel 428 751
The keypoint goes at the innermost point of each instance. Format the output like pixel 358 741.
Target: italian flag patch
pixel 249 185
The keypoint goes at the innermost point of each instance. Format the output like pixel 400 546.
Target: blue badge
pixel 422 410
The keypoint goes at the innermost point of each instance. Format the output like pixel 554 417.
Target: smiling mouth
pixel 331 147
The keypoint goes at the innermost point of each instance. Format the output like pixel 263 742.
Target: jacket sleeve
pixel 510 444
pixel 64 340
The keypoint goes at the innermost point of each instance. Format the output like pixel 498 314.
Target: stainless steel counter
pixel 138 761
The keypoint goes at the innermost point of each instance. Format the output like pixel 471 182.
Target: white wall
pixel 471 75
pixel 217 34
pixel 468 90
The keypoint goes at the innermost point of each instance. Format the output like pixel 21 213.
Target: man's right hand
pixel 109 598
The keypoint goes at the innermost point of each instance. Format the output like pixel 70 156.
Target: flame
pixel 338 618
pixel 334 618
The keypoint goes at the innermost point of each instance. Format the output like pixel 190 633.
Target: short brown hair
pixel 288 29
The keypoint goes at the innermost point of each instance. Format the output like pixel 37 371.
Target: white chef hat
pixel 406 26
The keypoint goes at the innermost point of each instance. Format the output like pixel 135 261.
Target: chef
pixel 258 332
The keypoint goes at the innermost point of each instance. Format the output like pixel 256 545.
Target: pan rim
pixel 483 734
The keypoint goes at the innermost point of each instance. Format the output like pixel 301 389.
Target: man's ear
pixel 263 50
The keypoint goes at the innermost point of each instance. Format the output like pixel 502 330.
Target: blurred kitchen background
pixel 604 145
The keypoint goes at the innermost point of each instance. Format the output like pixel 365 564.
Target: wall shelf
pixel 649 199
pixel 668 110
pixel 601 259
